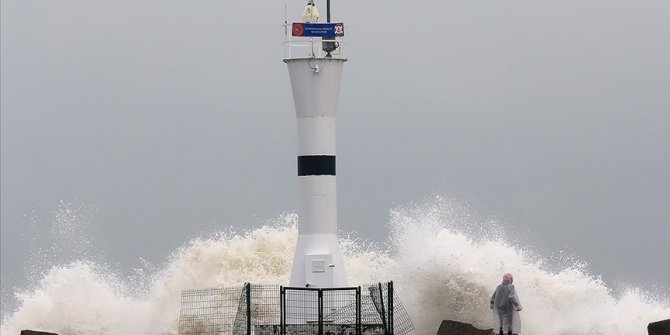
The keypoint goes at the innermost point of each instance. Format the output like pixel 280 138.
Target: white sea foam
pixel 445 263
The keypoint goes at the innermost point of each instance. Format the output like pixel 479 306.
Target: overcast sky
pixel 167 119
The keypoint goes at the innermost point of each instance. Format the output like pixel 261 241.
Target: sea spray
pixel 80 298
pixel 64 236
pixel 444 259
pixel 85 298
pixel 449 261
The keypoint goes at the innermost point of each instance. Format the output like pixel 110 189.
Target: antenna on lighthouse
pixel 328 45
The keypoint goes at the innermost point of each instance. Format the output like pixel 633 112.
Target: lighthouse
pixel 313 55
pixel 318 299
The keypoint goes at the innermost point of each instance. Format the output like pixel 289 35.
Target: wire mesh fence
pixel 321 311
pixel 210 311
pixel 383 303
pixel 274 310
pixel 231 310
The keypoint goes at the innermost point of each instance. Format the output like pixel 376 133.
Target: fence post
pixel 390 299
pixel 320 312
pixel 282 311
pixel 248 308
pixel 358 311
pixel 383 313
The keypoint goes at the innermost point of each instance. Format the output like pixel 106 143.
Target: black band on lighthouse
pixel 316 165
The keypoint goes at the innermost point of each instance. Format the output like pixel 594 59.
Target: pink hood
pixel 508 278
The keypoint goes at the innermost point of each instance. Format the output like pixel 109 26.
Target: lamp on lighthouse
pixel 311 13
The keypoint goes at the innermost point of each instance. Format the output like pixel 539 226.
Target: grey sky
pixel 174 118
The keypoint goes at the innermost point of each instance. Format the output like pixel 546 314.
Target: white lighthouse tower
pixel 318 299
pixel 315 60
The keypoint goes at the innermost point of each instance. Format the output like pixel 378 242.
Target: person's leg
pixel 509 316
pixel 500 322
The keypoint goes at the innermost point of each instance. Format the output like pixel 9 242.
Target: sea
pixel 444 261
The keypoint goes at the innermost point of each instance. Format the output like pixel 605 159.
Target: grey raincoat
pixel 506 306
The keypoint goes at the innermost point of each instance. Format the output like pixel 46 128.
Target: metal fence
pixel 275 310
pixel 230 310
pixel 321 311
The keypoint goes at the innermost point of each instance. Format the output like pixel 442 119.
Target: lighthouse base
pixel 318 262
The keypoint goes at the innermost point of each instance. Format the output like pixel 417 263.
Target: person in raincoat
pixel 506 306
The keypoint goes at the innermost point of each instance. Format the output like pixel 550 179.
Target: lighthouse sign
pixel 327 30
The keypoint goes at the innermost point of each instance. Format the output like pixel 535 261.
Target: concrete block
pixel 449 327
pixel 659 327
